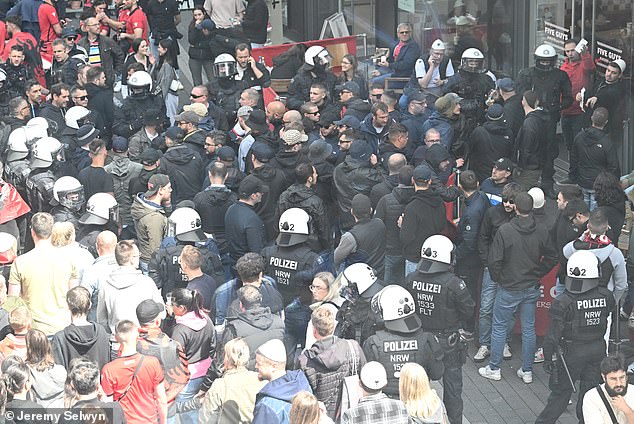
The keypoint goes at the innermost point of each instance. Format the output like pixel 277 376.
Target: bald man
pixel 100 269
pixel 275 114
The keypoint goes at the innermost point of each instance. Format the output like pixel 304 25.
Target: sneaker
pixel 539 356
pixel 507 354
pixel 527 376
pixel 487 372
pixel 481 354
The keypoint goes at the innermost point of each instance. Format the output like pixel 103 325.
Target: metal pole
pixel 583 18
pixel 594 12
pixel 572 22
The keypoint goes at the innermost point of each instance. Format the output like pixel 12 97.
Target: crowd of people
pixel 312 259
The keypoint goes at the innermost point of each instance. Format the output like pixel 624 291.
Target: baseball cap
pixel 273 350
pixel 187 116
pixel 416 97
pixel 69 31
pixel 226 153
pixel 504 164
pixel 538 197
pixel 360 150
pixel 349 121
pixel 148 310
pixel 175 133
pixel 495 112
pixel 119 144
pixel 398 309
pixel 198 108
pixel 149 156
pixel 207 24
pixel 262 152
pixel 156 182
pixel 251 184
pixel 244 111
pixel 505 84
pixel 319 151
pixel 422 173
pixel 350 86
pixel 373 375
pixel 292 137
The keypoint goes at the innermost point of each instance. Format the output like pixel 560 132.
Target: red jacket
pixel 580 74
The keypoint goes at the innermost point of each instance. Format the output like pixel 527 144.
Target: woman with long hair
pixel 231 398
pixel 325 290
pixel 48 377
pixel 305 409
pixel 140 54
pixel 610 198
pixel 164 73
pixel 422 402
pixel 194 331
pixel 200 32
pixel 349 72
pixel 15 385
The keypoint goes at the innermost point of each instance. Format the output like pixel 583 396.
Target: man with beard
pixel 615 386
pixel 352 104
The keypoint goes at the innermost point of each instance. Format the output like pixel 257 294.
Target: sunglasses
pixel 71 38
pixel 80 98
pixel 312 113
pixel 376 96
pixel 403 32
pixel 508 200
pixel 193 96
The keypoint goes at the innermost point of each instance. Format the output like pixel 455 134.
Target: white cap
pixel 373 376
pixel 538 197
pixel 438 45
pixel 621 64
pixel 273 350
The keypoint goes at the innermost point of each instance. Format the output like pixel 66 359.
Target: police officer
pixel 356 320
pixel 226 85
pixel 16 166
pixel 102 213
pixel 554 92
pixel 290 254
pixel 184 228
pixel 128 119
pixel 69 195
pixel 578 322
pixel 473 84
pixel 402 340
pixel 316 68
pixel 46 153
pixel 443 304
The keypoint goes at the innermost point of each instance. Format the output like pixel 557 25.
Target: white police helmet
pixel 16 145
pixel 583 271
pixel 45 151
pixel 185 225
pixel 75 116
pixel 101 208
pixel 140 84
pixel 396 307
pixel 359 280
pixel 69 192
pixel 436 255
pixel 225 65
pixel 293 227
pixel 317 57
pixel 472 60
pixel 545 57
pixel 36 128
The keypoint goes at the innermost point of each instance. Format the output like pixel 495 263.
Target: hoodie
pixel 123 170
pixel 121 293
pixel 521 254
pixel 197 337
pixel 530 145
pixel 212 204
pixel 90 341
pixel 151 225
pixel 592 153
pixel 358 108
pixel 48 386
pixel 489 142
pixel 424 216
pixel 273 403
pixel 186 170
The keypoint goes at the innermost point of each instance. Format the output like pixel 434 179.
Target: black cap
pixel 226 154
pixel 119 144
pixel 148 310
pixel 149 156
pixel 262 152
pixel 350 86
pixel 86 134
pixel 504 164
pixel 360 150
pixel 152 117
pixel 251 184
pixel 257 121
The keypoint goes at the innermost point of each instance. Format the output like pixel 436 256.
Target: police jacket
pixel 39 189
pixel 16 173
pixel 442 299
pixel 63 214
pixel 424 216
pixel 473 88
pixel 579 317
pixel 267 208
pixel 592 152
pixel 393 350
pixel 186 171
pixel 128 119
pixel 564 232
pixel 521 253
pixel 299 88
pixel 165 270
pixel 283 263
pixel 123 170
pixel 306 198
pixel 350 178
pixel 489 142
pixel 228 96
pixel 365 242
pixel 356 321
pixel 553 88
pixel 254 326
pixel 514 113
pixel 530 144
pixel 326 364
pixel 388 210
pixel 471 216
pixel 493 219
pixel 212 204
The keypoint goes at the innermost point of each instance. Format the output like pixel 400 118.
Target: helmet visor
pixel 473 65
pixel 225 69
pixel 73 199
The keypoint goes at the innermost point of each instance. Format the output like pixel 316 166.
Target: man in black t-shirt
pixel 191 261
pixel 94 178
pixel 163 17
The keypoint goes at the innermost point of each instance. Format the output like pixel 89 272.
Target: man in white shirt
pixel 618 395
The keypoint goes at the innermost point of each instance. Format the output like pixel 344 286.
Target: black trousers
pixel 583 361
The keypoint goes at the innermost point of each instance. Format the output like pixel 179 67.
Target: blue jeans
pixel 487 300
pixel 394 269
pixel 410 267
pixel 385 73
pixel 588 198
pixel 188 393
pixel 506 302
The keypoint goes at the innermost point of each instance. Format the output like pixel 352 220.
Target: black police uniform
pixel 164 267
pixel 393 350
pixel 443 304
pixel 578 323
pixel 128 119
pixel 39 189
pixel 283 262
pixel 357 321
pixel 62 214
pixel 474 89
pixel 554 92
pixel 16 173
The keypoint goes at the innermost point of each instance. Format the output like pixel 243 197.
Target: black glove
pixel 549 367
